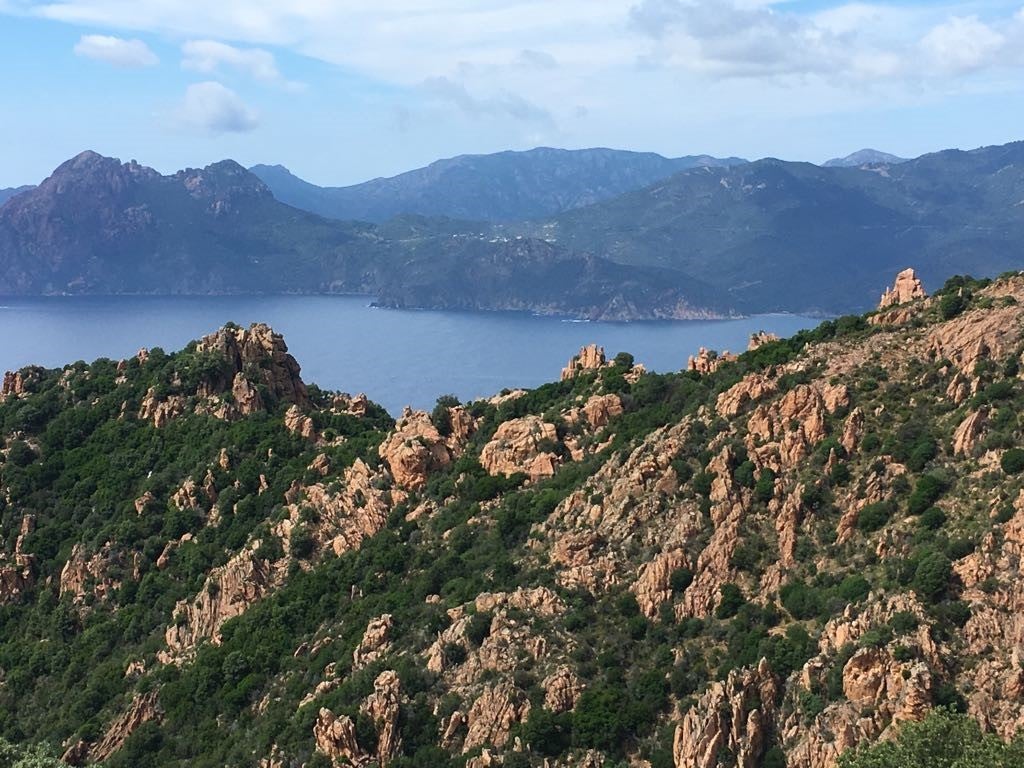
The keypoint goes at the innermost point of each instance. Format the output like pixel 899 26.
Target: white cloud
pixel 117 51
pixel 208 56
pixel 213 108
pixel 503 105
pixel 963 44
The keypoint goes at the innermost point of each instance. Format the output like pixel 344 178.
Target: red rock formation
pixel 143 709
pixel 376 642
pixel 383 707
pixel 335 737
pixel 416 449
pixel 734 715
pixel 229 590
pixel 601 409
pixel 653 585
pixel 708 360
pixel 493 714
pixel 906 288
pixel 969 433
pixel 562 689
pixel 298 423
pixel 590 358
pixel 257 349
pixel 759 339
pixel 522 445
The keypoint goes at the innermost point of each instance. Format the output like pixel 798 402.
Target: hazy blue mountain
pixel 9 192
pixel 799 237
pixel 100 226
pixel 865 157
pixel 507 186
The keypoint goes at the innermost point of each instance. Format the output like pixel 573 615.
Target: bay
pixel 396 357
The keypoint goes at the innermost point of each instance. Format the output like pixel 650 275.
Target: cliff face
pixel 766 561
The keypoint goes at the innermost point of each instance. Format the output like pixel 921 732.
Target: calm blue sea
pixel 396 357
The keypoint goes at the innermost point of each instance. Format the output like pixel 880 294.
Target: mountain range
pixel 586 234
pixel 507 186
pixel 865 157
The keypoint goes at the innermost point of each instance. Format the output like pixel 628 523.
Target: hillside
pixel 864 157
pixel 9 192
pixel 97 226
pixel 796 237
pixel 762 562
pixel 506 186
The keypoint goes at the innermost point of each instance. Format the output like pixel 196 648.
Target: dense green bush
pixel 1012 461
pixel 942 740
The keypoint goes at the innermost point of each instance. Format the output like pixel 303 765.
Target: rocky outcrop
pixel 261 355
pixel 599 410
pixel 376 642
pixel 229 590
pixel 759 339
pixel 782 433
pixel 526 446
pixel 562 689
pixel 335 737
pixel 590 358
pixel 416 449
pixel 732 717
pixel 346 513
pixel 143 709
pixel 18 577
pixel 19 383
pixel 92 576
pixel 708 360
pixel 970 432
pixel 751 389
pixel 654 584
pixel 160 412
pixel 383 707
pixel 906 288
pixel 493 715
pixel 590 531
pixel 992 334
pixel 298 423
pixel 994 634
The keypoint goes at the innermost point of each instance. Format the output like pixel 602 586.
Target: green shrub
pixel 944 739
pixel 802 601
pixel 1012 461
pixel 932 519
pixel 854 588
pixel 926 492
pixel 932 575
pixel 730 602
pixel 875 516
pixel 764 490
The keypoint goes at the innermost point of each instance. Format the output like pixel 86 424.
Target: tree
pixel 1012 461
pixel 942 740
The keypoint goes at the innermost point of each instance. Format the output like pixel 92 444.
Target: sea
pixel 396 357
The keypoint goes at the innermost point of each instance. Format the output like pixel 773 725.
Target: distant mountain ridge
pixel 102 227
pixel 758 237
pixel 501 187
pixel 9 192
pixel 864 157
pixel 783 236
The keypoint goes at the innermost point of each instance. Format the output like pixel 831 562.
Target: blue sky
pixel 345 90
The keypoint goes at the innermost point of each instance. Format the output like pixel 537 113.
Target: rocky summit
pixel 777 558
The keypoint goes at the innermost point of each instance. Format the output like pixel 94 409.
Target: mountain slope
pixel 8 193
pixel 798 237
pixel 864 157
pixel 208 562
pixel 98 226
pixel 507 186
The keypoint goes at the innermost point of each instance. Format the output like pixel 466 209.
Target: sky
pixel 341 91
